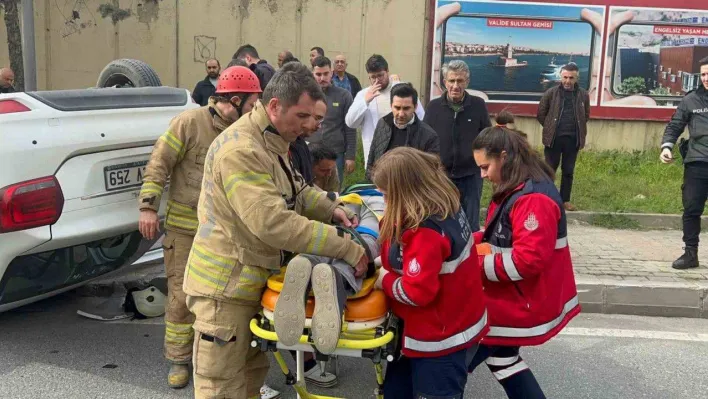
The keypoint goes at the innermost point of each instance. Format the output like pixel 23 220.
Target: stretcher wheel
pixel 275 283
pixel 370 307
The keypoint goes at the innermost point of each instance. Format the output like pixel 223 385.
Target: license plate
pixel 124 175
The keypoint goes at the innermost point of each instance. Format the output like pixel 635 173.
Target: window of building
pixel 663 75
pixel 673 79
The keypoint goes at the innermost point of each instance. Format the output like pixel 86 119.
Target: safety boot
pixel 688 260
pixel 327 318
pixel 178 377
pixel 289 316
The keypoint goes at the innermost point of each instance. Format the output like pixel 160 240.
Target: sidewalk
pixel 629 272
pixel 617 271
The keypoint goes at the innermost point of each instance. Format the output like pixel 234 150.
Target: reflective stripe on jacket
pixel 254 207
pixel 528 277
pixel 179 155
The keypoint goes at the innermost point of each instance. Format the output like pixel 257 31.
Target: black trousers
pixel 470 188
pixel 694 192
pixel 564 152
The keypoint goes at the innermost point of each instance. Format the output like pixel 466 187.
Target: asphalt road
pixel 47 351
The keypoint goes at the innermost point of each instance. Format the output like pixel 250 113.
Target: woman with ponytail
pixel 527 274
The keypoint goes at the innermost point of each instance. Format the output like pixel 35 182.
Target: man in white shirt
pixel 374 102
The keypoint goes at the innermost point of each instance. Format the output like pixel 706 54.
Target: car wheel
pixel 128 73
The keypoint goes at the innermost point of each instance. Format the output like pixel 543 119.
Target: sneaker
pixel 289 315
pixel 178 376
pixel 569 207
pixel 317 377
pixel 269 393
pixel 327 318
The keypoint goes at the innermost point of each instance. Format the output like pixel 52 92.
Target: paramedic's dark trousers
pixel 694 193
pixel 510 370
pixel 564 153
pixel 442 377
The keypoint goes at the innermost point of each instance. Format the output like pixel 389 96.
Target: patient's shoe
pixel 327 318
pixel 289 315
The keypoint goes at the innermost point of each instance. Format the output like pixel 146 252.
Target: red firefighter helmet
pixel 238 79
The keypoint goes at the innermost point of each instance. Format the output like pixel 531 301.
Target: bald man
pixel 282 56
pixel 207 87
pixel 344 79
pixel 7 79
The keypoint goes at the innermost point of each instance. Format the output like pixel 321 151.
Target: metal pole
pixel 28 47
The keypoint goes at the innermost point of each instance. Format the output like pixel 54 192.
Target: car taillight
pixel 12 106
pixel 30 204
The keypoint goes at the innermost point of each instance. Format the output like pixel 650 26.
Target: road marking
pixel 644 334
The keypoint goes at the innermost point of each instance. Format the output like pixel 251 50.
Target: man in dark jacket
pixel 401 128
pixel 206 88
pixel 263 70
pixel 458 117
pixel 334 133
pixel 344 79
pixel 564 111
pixel 692 111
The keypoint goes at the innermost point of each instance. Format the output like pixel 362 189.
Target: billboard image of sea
pixel 515 51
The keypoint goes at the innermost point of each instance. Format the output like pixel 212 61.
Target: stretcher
pixel 369 331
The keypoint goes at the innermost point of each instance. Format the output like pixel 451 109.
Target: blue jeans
pixel 470 188
pixel 340 168
pixel 442 377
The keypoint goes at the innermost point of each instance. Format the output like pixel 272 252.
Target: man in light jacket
pixel 374 102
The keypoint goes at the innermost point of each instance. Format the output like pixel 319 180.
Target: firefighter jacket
pixel 435 287
pixel 252 208
pixel 179 155
pixel 528 277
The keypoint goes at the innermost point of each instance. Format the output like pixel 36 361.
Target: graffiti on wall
pixel 204 48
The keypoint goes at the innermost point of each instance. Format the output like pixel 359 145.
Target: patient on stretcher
pixel 331 280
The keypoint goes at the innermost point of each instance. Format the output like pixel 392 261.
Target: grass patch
pixel 614 221
pixel 608 181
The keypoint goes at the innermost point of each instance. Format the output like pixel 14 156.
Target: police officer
pixel 692 111
pixel 179 155
pixel 251 210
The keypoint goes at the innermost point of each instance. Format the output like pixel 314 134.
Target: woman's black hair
pixel 521 162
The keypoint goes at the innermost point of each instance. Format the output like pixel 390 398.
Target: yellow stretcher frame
pixel 366 340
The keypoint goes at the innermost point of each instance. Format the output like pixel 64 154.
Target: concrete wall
pixel 74 42
pixel 606 134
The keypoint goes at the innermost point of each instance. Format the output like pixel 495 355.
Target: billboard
pixel 515 51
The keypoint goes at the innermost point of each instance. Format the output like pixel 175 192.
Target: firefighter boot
pixel 289 317
pixel 178 376
pixel 688 260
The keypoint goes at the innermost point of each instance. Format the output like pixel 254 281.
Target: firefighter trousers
pixel 225 364
pixel 179 335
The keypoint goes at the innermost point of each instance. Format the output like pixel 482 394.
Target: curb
pixel 658 299
pixel 648 221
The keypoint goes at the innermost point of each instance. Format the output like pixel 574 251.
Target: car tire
pixel 128 73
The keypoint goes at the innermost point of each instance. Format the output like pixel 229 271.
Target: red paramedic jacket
pixel 435 287
pixel 528 278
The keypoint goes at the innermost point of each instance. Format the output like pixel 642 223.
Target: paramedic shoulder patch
pixel 531 223
pixel 413 268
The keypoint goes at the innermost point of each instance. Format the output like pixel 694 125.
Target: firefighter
pixel 527 274
pixel 253 209
pixel 179 155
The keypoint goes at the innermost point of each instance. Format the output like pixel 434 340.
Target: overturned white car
pixel 71 164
